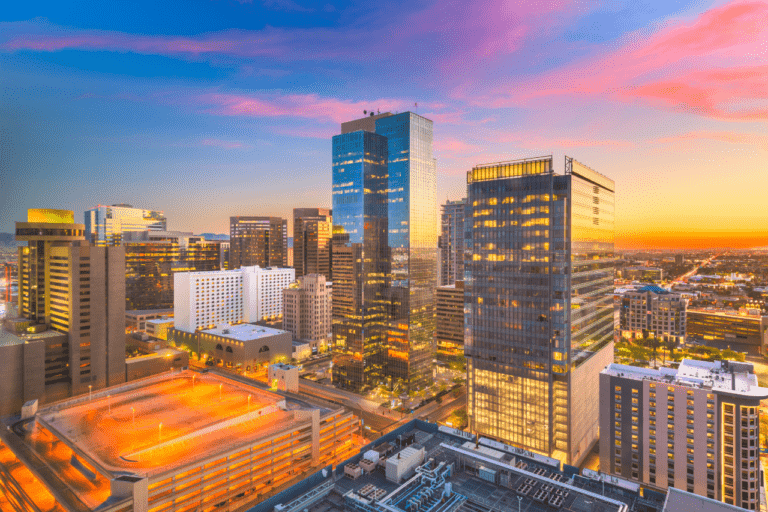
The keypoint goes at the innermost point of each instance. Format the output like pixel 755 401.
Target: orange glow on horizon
pixel 673 239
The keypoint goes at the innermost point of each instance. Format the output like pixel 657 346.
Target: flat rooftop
pixel 244 332
pixel 714 375
pixel 8 338
pixel 147 428
pixel 145 312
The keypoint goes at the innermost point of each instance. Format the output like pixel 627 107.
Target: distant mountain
pixel 9 240
pixel 212 236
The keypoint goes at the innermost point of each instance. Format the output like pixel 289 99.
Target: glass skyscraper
pixel 452 242
pixel 538 303
pixel 111 225
pixel 404 349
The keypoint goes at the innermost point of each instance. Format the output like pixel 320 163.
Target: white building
pixel 203 300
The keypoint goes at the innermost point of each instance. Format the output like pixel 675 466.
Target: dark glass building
pixel 400 353
pixel 360 257
pixel 451 243
pixel 312 233
pixel 538 303
pixel 261 241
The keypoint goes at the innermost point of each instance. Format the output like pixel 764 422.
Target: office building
pixel 653 311
pixel 679 260
pixel 75 292
pixel 110 225
pixel 312 233
pixel 538 291
pixel 449 321
pixel 307 311
pixel 224 255
pixel 258 241
pixel 743 330
pixel 152 258
pixel 650 274
pixel 204 300
pixel 695 428
pixel 384 183
pixel 451 243
pixel 136 320
pixel 179 441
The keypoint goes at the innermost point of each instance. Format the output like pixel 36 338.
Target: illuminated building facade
pixel 742 330
pixel 76 289
pixel 643 273
pixel 203 300
pixel 655 311
pixel 449 321
pixel 360 257
pixel 451 244
pixel 261 241
pixel 695 428
pixel 539 322
pixel 180 441
pixel 110 225
pixel 150 265
pixel 307 311
pixel 312 234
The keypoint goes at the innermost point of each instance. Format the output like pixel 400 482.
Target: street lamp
pixel 133 416
pixel 519 503
pixel 89 392
pixel 193 381
pixel 159 432
pixel 109 404
pixel 219 392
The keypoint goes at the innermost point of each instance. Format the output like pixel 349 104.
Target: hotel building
pixel 260 241
pixel 312 233
pixel 307 311
pixel 203 300
pixel 110 225
pixel 654 311
pixel 538 291
pixel 695 428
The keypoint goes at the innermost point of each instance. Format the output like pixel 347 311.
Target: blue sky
pixel 211 108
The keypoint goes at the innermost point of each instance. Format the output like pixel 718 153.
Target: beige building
pixel 307 310
pixel 76 293
pixel 653 310
pixel 312 233
pixel 695 428
pixel 449 320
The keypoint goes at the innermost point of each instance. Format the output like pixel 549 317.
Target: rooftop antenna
pixel 416 107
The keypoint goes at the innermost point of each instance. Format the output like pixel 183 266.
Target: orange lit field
pixel 162 424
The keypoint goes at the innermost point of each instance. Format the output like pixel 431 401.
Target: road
pixel 684 278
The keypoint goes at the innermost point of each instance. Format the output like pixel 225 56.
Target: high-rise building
pixel 312 233
pixel 152 260
pixel 360 258
pixel 451 242
pixel 695 428
pixel 110 225
pixel 654 311
pixel 261 241
pixel 539 322
pixel 204 300
pixel 307 307
pixel 679 260
pixel 73 288
pixel 405 280
pixel 449 321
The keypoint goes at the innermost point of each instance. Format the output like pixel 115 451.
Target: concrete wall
pixel 11 378
pixel 140 367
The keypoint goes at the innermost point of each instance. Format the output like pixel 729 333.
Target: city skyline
pixel 231 110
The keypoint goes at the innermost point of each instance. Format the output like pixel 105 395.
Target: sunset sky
pixel 211 108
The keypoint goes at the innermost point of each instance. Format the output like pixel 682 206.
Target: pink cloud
pixel 750 139
pixel 224 144
pixel 682 67
pixel 448 145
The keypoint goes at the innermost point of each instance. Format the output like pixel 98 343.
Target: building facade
pixel 643 274
pixel 449 321
pixel 312 234
pixel 110 225
pixel 204 300
pixel 74 288
pixel 654 311
pixel 451 244
pixel 397 213
pixel 741 330
pixel 539 322
pixel 307 311
pixel 258 241
pixel 695 428
pixel 151 260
